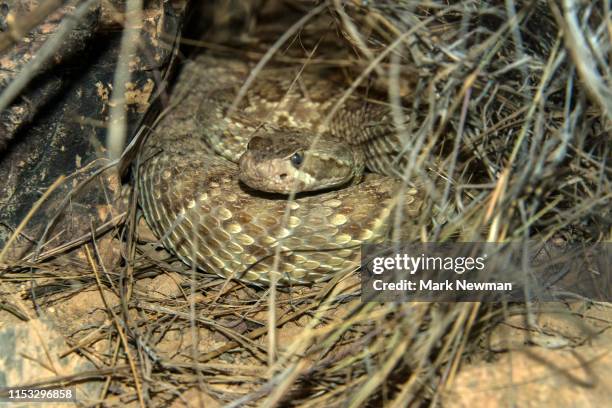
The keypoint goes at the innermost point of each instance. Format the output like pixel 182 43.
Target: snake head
pixel 285 162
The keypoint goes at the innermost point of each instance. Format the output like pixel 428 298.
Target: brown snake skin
pixel 194 202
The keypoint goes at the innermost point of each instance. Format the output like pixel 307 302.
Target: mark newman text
pixel 430 285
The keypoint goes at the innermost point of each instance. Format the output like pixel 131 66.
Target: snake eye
pixel 297 160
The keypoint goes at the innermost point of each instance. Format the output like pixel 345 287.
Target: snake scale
pixel 206 213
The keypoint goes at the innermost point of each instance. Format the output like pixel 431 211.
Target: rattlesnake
pixel 202 210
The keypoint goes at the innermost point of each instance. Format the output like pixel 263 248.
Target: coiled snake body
pixel 195 201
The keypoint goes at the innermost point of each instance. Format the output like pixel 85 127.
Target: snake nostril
pixel 283 176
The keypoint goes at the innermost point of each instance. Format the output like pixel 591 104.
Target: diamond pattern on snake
pixel 272 188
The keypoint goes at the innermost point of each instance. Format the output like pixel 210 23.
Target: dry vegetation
pixel 504 110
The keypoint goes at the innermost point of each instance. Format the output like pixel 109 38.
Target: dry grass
pixel 504 111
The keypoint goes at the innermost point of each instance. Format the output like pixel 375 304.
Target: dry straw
pixel 504 112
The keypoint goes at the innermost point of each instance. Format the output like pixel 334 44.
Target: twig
pixel 117 128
